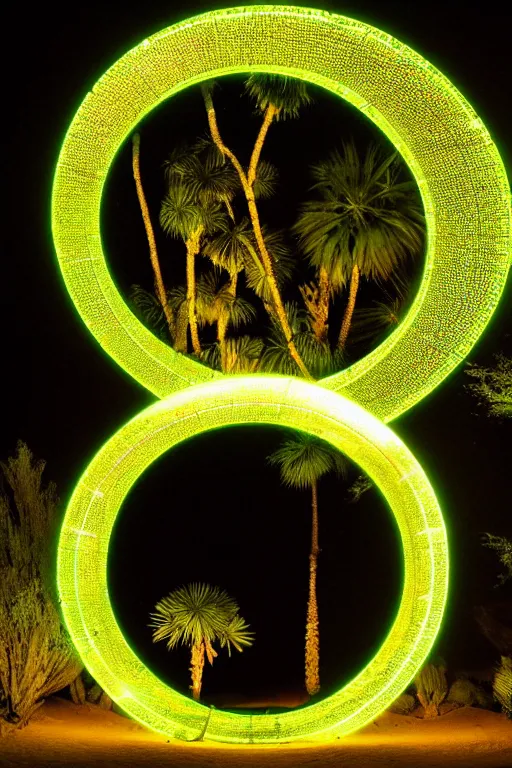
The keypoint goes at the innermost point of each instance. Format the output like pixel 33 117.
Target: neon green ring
pixel 82 564
pixel 456 165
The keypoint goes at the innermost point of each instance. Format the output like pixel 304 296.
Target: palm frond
pixel 266 180
pixel 191 614
pixel 365 214
pixel 287 94
pixel 228 248
pixel 149 310
pixel 236 634
pixel 377 321
pixel 215 301
pixel 180 214
pixel 303 459
pixel 276 357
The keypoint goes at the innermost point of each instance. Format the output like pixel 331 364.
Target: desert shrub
pixel 403 705
pixel 36 657
pixel 431 688
pixel 502 685
pixel 468 694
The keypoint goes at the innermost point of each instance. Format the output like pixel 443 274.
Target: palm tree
pixel 277 98
pixel 367 222
pixel 248 181
pixel 198 615
pixel 302 461
pixel 153 253
pixel 200 183
pixel 218 305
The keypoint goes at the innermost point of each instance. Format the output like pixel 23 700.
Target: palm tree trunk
pixel 312 626
pixel 153 253
pixel 222 325
pixel 181 343
pixel 196 669
pixel 270 113
pixel 192 245
pixel 349 311
pixel 268 266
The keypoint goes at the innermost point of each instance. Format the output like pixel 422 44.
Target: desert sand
pixel 64 734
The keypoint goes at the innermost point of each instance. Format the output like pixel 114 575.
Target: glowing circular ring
pixel 455 163
pixel 82 565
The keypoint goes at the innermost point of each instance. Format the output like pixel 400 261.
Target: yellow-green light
pixel 83 550
pixel 466 200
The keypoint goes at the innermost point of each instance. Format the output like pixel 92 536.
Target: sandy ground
pixel 63 734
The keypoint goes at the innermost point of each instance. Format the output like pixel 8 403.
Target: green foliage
pixel 360 485
pixel 317 356
pixel 304 459
pixel 149 310
pixel 502 685
pixel 286 94
pixel 503 548
pixel 493 386
pixel 36 656
pixel 181 214
pixel 465 693
pixel 266 180
pixel 404 705
pixel 243 354
pixel 203 172
pixel 366 216
pixel 215 302
pixel 377 321
pixel 196 613
pixel 431 688
pixel 229 247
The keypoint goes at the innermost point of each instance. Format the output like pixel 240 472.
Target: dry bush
pixel 431 689
pixel 36 656
pixel 404 705
pixel 465 693
pixel 502 685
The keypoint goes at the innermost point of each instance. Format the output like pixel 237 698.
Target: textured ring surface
pixel 91 514
pixel 456 165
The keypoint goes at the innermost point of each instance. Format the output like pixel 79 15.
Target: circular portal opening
pixel 213 510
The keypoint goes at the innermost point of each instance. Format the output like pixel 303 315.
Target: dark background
pixel 212 510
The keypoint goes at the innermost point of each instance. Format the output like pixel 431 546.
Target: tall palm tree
pixel 198 615
pixel 160 291
pixel 277 98
pixel 248 181
pixel 200 184
pixel 367 222
pixel 302 461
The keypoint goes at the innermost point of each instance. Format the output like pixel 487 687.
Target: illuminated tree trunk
pixel 153 253
pixel 181 343
pixel 222 326
pixel 349 311
pixel 270 113
pixel 312 626
pixel 277 302
pixel 196 670
pixel 192 245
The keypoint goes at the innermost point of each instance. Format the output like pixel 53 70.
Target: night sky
pixel 212 510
